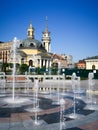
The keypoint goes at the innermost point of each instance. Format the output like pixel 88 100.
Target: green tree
pixel 11 65
pixel 23 68
pixel 4 67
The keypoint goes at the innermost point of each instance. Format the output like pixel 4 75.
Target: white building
pixel 92 62
pixel 69 60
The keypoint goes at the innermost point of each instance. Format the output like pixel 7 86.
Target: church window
pixel 21 45
pixel 41 46
pixel 31 45
pixel 28 33
pixel 30 63
pixel 44 43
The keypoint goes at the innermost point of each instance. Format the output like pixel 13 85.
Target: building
pixel 33 52
pixel 92 63
pixel 5 49
pixel 58 61
pixel 81 64
pixel 30 51
pixel 69 60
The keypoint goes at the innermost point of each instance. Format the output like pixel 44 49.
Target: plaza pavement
pixel 20 121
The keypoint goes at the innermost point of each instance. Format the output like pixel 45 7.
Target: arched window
pixel 28 33
pixel 93 67
pixel 31 45
pixel 30 63
pixel 41 46
pixel 21 45
pixel 44 43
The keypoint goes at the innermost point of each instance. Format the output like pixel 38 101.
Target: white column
pixel 47 64
pixel 43 62
pixel 50 63
pixel 40 63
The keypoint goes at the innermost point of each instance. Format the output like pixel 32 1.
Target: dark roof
pixel 31 43
pixel 93 57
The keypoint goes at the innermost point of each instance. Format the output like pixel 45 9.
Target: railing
pixel 22 78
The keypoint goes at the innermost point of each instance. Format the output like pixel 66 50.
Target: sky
pixel 73 24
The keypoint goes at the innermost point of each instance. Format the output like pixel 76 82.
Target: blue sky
pixel 73 24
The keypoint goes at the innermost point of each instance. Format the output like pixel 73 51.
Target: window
pixel 28 33
pixel 21 45
pixel 31 45
pixel 44 43
pixel 93 67
pixel 30 62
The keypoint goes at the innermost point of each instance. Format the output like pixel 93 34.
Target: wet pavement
pixel 15 116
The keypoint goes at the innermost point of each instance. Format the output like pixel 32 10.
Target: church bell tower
pixel 46 37
pixel 30 32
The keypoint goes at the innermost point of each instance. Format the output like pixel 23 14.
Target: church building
pixel 30 51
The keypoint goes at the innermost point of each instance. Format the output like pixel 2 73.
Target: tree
pixel 4 66
pixel 23 68
pixel 11 65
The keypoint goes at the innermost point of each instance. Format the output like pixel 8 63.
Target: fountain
pixel 78 88
pixel 51 113
pixel 25 89
pixel 79 91
pixel 57 101
pixel 74 115
pixel 91 101
pixel 36 101
pixel 58 89
pixel 36 108
pixel 90 84
pixel 62 116
pixel 50 87
pixel 15 41
pixel 63 86
pixel 15 100
pixel 2 80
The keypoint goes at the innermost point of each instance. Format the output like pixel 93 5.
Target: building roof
pixel 93 57
pixel 32 44
pixel 57 56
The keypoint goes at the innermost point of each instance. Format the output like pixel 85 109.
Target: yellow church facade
pixel 30 51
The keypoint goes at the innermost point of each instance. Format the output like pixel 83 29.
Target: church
pixel 33 52
pixel 30 51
